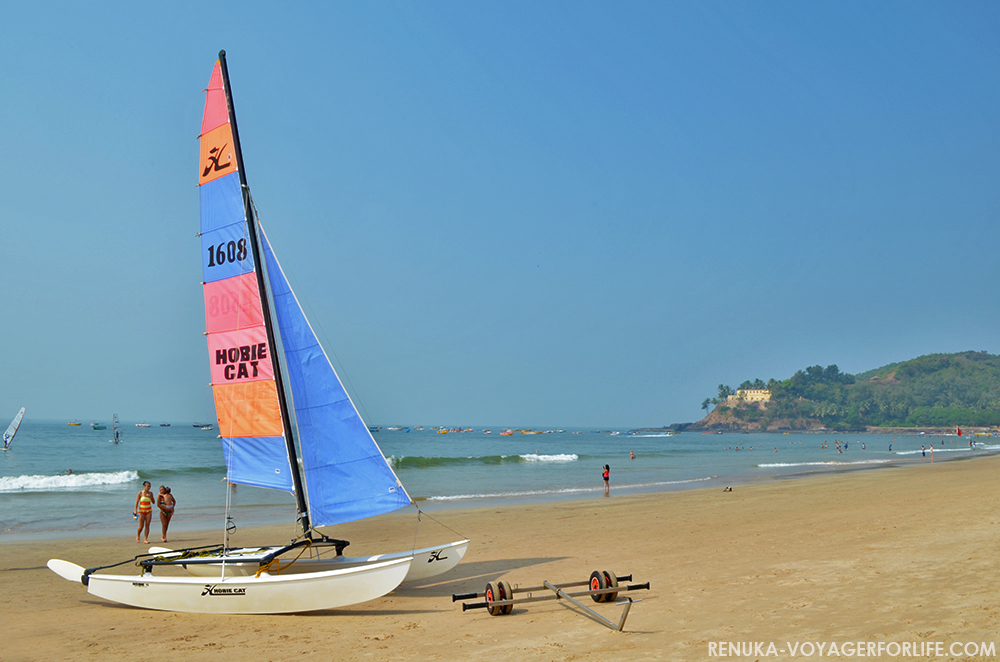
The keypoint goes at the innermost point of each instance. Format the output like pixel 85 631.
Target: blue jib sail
pixel 347 478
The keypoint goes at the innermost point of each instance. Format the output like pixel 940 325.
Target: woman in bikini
pixel 143 511
pixel 166 503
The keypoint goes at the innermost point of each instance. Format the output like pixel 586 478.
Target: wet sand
pixel 888 555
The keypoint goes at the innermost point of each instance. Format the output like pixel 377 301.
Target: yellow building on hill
pixel 751 395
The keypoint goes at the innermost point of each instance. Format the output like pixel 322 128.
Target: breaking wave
pixel 65 481
pixel 821 464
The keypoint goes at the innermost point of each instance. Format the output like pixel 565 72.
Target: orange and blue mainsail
pixel 344 474
pixel 246 399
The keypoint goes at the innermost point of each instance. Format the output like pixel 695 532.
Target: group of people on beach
pixel 143 511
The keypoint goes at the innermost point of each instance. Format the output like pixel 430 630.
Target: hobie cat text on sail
pixel 237 360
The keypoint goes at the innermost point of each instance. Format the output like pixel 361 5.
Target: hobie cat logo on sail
pixel 218 156
pixel 214 154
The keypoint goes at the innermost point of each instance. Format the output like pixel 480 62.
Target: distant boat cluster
pixel 101 426
pixel 446 430
pixel 502 431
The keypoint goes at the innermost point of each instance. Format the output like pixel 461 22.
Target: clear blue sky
pixel 516 213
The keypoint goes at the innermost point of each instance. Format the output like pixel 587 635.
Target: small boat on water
pixel 142 425
pixel 164 425
pixel 74 423
pixel 98 426
pixel 8 435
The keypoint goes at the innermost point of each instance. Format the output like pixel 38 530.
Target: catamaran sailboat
pixel 286 423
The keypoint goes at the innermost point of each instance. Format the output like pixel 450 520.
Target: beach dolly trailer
pixel 603 586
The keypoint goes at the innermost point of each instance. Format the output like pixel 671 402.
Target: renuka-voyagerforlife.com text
pixel 851 649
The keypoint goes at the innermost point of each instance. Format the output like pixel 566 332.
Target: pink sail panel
pixel 216 111
pixel 232 303
pixel 240 356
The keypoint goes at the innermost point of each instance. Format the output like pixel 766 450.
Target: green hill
pixel 936 390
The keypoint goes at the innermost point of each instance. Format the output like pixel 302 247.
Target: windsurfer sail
pixel 8 436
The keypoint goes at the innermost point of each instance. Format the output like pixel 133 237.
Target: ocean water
pixel 60 480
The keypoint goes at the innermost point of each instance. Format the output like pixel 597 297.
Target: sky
pixel 569 214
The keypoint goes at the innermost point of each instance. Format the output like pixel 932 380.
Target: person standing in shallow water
pixel 607 476
pixel 143 511
pixel 166 503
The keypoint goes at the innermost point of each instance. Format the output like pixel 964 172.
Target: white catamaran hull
pixel 428 562
pixel 244 594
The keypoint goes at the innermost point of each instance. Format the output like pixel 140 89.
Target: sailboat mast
pixel 300 498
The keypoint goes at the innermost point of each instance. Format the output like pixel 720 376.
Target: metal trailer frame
pixel 506 604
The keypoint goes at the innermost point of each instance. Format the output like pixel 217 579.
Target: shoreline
pixel 896 556
pixel 201 526
pixel 915 432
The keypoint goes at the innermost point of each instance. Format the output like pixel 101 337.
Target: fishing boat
pixel 116 434
pixel 98 426
pixel 142 425
pixel 286 423
pixel 8 435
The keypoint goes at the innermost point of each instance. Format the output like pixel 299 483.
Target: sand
pixel 900 555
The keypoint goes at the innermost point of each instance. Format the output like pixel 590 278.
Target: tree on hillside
pixel 935 389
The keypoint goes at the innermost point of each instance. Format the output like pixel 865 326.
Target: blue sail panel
pixel 347 478
pixel 258 461
pixel 224 247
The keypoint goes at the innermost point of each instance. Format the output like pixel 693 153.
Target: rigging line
pixel 416 530
pixel 318 326
pixel 423 513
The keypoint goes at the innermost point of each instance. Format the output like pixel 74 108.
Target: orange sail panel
pixel 246 398
pixel 244 410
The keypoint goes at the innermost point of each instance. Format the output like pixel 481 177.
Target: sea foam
pixel 564 457
pixel 821 464
pixel 65 481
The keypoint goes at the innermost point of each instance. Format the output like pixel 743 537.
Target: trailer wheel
pixel 597 583
pixel 506 593
pixel 612 580
pixel 493 593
